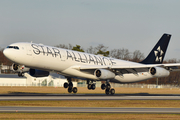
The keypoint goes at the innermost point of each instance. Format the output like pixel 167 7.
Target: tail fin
pixel 156 56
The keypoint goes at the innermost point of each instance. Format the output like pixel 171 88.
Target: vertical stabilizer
pixel 156 56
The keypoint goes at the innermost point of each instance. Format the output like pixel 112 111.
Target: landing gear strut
pixel 107 88
pixel 70 87
pixel 91 85
pixel 20 74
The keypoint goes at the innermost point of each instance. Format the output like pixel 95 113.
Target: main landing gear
pixel 107 88
pixel 91 85
pixel 70 87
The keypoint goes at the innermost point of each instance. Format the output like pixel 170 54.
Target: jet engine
pixel 19 68
pixel 104 74
pixel 38 73
pixel 159 72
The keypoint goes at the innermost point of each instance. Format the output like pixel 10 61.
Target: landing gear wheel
pixel 89 86
pixel 20 74
pixel 108 86
pixel 93 86
pixel 70 89
pixel 112 91
pixel 103 86
pixel 74 90
pixel 107 91
pixel 66 85
pixel 70 84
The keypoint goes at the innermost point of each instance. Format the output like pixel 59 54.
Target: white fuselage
pixel 60 60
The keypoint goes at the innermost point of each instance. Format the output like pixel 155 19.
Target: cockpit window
pixel 14 47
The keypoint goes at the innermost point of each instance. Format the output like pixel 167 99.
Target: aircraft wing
pixel 85 67
pixel 172 66
pixel 129 69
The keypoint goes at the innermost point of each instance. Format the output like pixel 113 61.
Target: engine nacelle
pixel 104 74
pixel 19 68
pixel 159 72
pixel 38 73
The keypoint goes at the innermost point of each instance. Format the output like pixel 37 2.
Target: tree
pixel 3 59
pixel 173 60
pixel 102 50
pixel 91 50
pixel 78 48
pixel 123 54
pixel 137 56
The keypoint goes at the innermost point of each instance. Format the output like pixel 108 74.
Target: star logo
pixel 158 54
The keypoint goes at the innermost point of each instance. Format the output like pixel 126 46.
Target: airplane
pixel 41 59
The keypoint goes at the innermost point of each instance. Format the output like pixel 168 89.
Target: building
pixel 53 79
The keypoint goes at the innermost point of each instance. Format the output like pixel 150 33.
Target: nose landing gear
pixel 20 74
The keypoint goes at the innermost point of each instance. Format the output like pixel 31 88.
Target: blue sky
pixel 131 24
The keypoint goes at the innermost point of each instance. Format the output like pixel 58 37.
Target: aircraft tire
pixel 74 90
pixel 70 89
pixel 103 86
pixel 93 86
pixel 112 91
pixel 107 91
pixel 20 74
pixel 89 86
pixel 66 85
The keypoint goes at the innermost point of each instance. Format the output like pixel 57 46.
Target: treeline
pixel 121 53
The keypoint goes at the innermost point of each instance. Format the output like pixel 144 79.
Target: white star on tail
pixel 158 54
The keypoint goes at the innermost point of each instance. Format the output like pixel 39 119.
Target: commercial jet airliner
pixel 42 59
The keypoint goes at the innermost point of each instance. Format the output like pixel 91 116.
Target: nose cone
pixel 7 53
